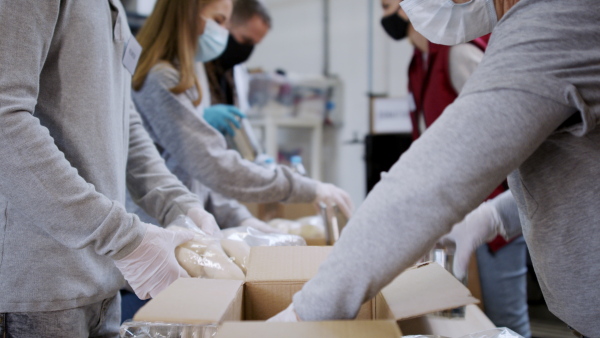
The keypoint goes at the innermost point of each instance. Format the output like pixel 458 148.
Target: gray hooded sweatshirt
pixel 531 108
pixel 71 143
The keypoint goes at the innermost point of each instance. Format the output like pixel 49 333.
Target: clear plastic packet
pixel 495 333
pixel 286 226
pixel 238 241
pixel 131 329
pixel 238 251
pixel 204 257
pixel 311 227
pixel 254 237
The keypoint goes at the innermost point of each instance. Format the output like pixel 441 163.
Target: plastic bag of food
pixel 203 256
pixel 254 237
pixel 312 227
pixel 237 243
pixel 238 251
pixel 308 227
pixel 495 333
pixel 132 329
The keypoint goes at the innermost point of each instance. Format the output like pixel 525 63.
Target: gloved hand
pixel 331 195
pixel 286 316
pixel 152 266
pixel 221 116
pixel 259 225
pixel 204 221
pixel 480 226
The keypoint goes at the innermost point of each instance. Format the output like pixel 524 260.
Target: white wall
pixel 296 44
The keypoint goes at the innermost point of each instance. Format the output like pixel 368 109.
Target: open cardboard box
pixel 275 274
pixel 269 211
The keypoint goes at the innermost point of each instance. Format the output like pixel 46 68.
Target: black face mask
pixel 235 53
pixel 395 26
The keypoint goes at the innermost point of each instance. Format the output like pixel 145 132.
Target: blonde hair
pixel 170 34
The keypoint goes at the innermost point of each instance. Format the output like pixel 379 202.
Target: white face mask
pixel 212 42
pixel 447 23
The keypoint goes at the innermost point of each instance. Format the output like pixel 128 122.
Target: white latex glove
pixel 152 266
pixel 259 225
pixel 286 316
pixel 480 226
pixel 205 221
pixel 331 195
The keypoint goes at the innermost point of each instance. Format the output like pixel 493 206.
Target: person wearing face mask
pixel 529 112
pixel 173 98
pixel 437 74
pixel 227 75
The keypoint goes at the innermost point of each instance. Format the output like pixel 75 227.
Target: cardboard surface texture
pixel 285 263
pixel 275 274
pixel 269 211
pixel 337 329
pixel 195 301
pixel 419 291
pixel 475 321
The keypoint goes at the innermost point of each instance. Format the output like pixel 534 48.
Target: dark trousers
pixel 101 319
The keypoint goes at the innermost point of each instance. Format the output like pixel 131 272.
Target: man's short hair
pixel 244 10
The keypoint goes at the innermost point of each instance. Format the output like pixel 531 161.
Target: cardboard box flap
pixel 194 301
pixel 285 263
pixel 338 329
pixel 474 321
pixel 426 289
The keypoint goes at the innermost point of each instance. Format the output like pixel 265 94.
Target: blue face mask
pixel 212 42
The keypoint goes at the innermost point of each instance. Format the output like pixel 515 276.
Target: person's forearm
pixel 469 151
pixel 150 183
pixel 37 179
pixel 202 152
pixel 228 213
pixel 507 208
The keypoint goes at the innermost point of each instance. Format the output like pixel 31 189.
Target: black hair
pixel 244 10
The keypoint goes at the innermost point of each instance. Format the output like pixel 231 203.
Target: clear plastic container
pixel 132 329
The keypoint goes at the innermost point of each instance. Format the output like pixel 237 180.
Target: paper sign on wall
pixel 392 115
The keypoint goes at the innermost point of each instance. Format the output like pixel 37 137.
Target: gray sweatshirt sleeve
pixel 228 213
pixel 507 208
pixel 470 150
pixel 202 151
pixel 151 185
pixel 36 177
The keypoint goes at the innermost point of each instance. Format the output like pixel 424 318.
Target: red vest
pixel 432 90
pixel 430 85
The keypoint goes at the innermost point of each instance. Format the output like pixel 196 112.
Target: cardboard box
pixel 475 321
pixel 268 211
pixel 337 329
pixel 275 274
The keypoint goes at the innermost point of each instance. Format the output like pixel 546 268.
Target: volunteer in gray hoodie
pixel 168 94
pixel 227 212
pixel 71 143
pixel 530 112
